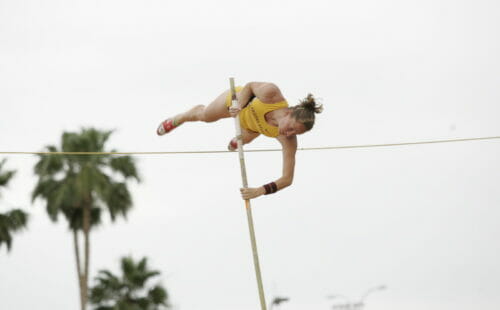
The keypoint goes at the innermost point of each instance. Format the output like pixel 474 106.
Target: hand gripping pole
pixel 247 202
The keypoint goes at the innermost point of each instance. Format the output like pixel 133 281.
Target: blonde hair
pixel 305 111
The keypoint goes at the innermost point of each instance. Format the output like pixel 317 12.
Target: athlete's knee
pixel 198 112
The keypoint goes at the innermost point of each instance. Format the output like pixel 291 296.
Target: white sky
pixel 422 220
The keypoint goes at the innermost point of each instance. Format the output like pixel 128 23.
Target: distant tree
pixel 81 186
pixel 130 291
pixel 13 220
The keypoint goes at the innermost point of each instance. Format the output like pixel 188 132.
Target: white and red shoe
pixel 166 126
pixel 233 145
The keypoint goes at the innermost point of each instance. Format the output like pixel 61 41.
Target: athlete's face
pixel 289 126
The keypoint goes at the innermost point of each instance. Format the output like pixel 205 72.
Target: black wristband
pixel 267 187
pixel 270 188
pixel 274 187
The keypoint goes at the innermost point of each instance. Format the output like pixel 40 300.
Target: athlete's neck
pixel 274 117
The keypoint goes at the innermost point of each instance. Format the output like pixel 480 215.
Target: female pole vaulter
pixel 263 110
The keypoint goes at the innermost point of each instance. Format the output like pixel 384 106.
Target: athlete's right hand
pixel 233 111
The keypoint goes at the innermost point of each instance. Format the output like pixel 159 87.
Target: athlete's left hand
pixel 233 111
pixel 250 193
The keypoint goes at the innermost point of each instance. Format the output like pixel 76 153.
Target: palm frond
pixel 16 219
pixel 158 295
pixel 5 235
pixel 130 291
pixel 74 216
pixel 118 199
pixel 5 176
pixel 72 181
pixel 125 165
pixel 11 222
pixel 48 165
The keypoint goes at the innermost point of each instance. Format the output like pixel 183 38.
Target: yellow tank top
pixel 252 117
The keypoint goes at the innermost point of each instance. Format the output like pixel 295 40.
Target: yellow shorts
pixel 228 97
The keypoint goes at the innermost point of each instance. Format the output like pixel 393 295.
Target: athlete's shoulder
pixel 267 92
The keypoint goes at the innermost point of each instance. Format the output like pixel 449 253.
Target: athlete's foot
pixel 233 145
pixel 166 126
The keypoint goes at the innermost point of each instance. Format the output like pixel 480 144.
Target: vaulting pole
pixel 247 202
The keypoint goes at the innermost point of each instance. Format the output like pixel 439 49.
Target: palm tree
pixel 81 186
pixel 130 290
pixel 13 220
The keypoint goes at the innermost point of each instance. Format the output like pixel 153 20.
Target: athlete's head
pixel 301 117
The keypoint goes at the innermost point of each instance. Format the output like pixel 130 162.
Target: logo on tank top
pixel 257 120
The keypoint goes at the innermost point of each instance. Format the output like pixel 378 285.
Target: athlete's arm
pixel 265 92
pixel 289 149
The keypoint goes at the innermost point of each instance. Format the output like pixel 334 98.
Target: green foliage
pixel 5 176
pixel 130 291
pixel 82 187
pixel 68 183
pixel 13 220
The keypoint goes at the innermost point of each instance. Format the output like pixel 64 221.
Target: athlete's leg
pixel 216 110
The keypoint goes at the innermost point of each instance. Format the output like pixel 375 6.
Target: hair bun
pixel 309 103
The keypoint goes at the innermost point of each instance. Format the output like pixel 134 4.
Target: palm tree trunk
pixel 78 268
pixel 86 230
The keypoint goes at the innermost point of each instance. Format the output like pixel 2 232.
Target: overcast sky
pixel 423 220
